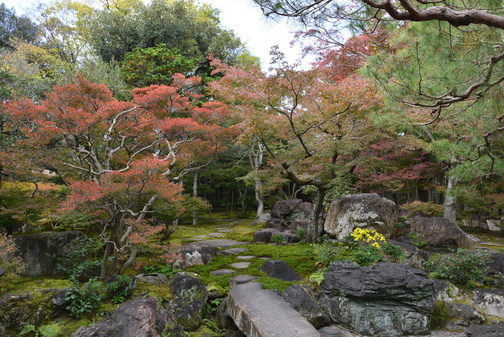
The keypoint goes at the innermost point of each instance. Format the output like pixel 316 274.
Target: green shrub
pixel 424 208
pixel 81 255
pixel 84 299
pixel 325 253
pixel 121 288
pixel 366 256
pixel 394 252
pixel 463 267
pixel 301 233
pixel 416 240
pixel 160 269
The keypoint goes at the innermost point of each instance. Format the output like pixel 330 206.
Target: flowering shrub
pixel 370 236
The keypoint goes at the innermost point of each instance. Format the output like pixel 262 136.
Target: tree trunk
pixel 195 194
pixel 256 155
pixel 313 225
pixel 450 201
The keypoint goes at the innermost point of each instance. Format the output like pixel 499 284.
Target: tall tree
pixel 315 125
pixel 465 135
pixel 194 30
pixel 15 27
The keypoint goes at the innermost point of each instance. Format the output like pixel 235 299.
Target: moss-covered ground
pixel 218 226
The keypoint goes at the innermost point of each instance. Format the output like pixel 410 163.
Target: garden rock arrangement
pixel 384 299
pixel 439 232
pixel 366 210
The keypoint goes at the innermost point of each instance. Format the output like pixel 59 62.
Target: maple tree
pixel 311 126
pixel 119 158
pixel 400 167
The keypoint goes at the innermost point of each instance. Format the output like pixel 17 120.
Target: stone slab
pixel 240 265
pixel 218 243
pixel 232 251
pixel 260 312
pixel 222 272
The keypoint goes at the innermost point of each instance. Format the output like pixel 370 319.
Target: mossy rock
pixel 25 308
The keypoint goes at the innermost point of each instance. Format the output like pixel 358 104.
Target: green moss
pixel 161 292
pixel 69 325
pixel 440 315
pixel 273 283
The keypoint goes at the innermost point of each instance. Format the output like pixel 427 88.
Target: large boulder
pixel 365 210
pixel 189 298
pixel 386 299
pixel 438 232
pixel 279 269
pixel 299 298
pixel 41 252
pixel 140 317
pixel 291 209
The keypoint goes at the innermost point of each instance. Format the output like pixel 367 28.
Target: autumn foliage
pixel 118 158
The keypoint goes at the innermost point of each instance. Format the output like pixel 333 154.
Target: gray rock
pixel 445 291
pixel 42 251
pixel 279 269
pixel 18 309
pixel 242 279
pixel 385 299
pixel 222 272
pixel 438 232
pixel 495 330
pixel 240 265
pixel 366 210
pixel 140 317
pixel 463 315
pixel 153 278
pixel 491 301
pixel 306 305
pixel 263 313
pixel 188 302
pixel 334 331
pixel 277 224
pixel 232 251
pixel 2 272
pixel 189 256
pixel 225 322
pixel 291 209
pixel 202 252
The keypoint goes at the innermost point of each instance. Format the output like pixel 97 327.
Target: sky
pixel 245 19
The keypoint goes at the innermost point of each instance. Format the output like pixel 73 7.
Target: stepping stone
pixel 222 272
pixel 240 265
pixel 215 235
pixel 232 251
pixel 241 279
pixel 245 257
pixel 218 243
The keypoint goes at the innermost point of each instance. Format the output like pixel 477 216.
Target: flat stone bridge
pixel 259 312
